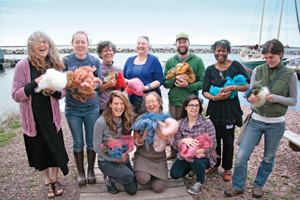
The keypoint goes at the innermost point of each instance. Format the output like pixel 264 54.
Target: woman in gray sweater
pixel 114 123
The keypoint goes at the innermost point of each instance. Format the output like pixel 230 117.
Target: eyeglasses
pixel 152 101
pixel 194 105
pixel 44 42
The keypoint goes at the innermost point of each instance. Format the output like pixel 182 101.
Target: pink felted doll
pixel 188 153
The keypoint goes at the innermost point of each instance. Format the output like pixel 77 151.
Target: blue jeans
pixel 120 173
pixel 76 117
pixel 180 168
pixel 273 133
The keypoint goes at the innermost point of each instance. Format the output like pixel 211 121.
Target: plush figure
pixel 84 81
pixel 118 148
pixel 182 68
pixel 167 130
pixel 53 80
pixel 135 86
pixel 262 92
pixel 149 122
pixel 205 142
pixel 237 80
pixel 119 79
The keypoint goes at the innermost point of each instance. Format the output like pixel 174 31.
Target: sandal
pixel 49 191
pixel 58 189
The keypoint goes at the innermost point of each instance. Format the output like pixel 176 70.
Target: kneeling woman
pixel 192 126
pixel 112 125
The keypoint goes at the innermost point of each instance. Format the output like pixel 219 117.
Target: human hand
pixel 123 159
pixel 181 83
pixel 161 136
pixel 49 91
pixel 228 88
pixel 182 77
pixel 253 98
pixel 38 79
pixel 270 98
pixel 222 95
pixel 190 142
pixel 112 83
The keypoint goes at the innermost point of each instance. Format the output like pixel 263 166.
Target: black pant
pixel 228 137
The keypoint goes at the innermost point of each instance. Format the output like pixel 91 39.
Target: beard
pixel 182 52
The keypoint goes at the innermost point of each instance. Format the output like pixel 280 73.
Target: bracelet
pixel 213 98
pixel 149 85
pixel 234 87
pixel 136 142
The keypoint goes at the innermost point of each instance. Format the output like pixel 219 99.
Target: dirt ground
pixel 19 181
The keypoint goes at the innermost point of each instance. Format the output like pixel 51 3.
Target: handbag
pixel 246 121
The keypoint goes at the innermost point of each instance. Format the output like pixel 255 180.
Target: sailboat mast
pixel 297 16
pixel 261 23
pixel 280 20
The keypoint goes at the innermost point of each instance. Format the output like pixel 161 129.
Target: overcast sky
pixel 122 21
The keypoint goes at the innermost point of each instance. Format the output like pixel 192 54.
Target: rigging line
pixel 297 16
pixel 280 20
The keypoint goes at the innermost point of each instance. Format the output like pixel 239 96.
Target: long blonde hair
pixel 52 60
pixel 127 115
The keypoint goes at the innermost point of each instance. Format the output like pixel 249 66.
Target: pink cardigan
pixel 21 79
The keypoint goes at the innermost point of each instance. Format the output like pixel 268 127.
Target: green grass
pixel 30 185
pixel 293 190
pixel 5 137
pixel 16 124
pixel 2 130
pixel 272 182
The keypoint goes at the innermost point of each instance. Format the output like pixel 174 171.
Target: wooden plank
pixel 169 193
pixel 101 187
pixel 292 137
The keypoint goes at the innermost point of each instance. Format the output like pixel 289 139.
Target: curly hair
pixel 52 60
pixel 103 44
pixel 185 103
pixel 127 115
pixel 223 43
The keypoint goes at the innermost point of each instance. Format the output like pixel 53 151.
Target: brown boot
pixel 78 156
pixel 91 156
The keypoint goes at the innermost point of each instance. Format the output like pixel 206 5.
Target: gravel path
pixel 19 181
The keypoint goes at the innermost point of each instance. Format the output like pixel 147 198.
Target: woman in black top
pixel 224 106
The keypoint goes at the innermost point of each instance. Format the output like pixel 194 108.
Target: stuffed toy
pixel 149 122
pixel 237 80
pixel 118 148
pixel 182 68
pixel 53 80
pixel 119 79
pixel 135 86
pixel 84 81
pixel 204 142
pixel 167 130
pixel 262 92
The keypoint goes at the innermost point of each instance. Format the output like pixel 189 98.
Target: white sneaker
pixel 197 187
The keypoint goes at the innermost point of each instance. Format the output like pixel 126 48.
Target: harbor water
pixel 8 105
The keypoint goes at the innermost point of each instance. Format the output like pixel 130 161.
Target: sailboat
pixel 251 56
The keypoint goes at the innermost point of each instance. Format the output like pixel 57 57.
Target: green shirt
pixel 178 95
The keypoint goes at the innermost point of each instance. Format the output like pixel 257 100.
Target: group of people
pixel 109 116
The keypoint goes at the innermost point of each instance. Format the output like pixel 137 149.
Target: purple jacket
pixel 21 79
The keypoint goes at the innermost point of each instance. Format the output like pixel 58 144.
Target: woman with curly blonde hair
pixel 114 124
pixel 40 113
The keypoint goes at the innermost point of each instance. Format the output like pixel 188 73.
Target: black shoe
pixel 111 187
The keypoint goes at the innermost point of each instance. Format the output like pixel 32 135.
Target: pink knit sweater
pixel 21 79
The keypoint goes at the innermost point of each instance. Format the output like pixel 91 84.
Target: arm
pixel 168 83
pixel 211 131
pixel 99 129
pixel 197 85
pixel 291 100
pixel 19 82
